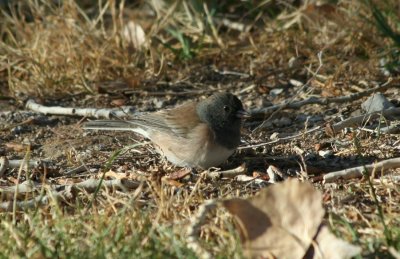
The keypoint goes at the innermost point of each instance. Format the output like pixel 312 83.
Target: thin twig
pixel 76 170
pixel 322 101
pixel 232 173
pixel 357 172
pixel 392 129
pixel 301 134
pixel 64 191
pixel 40 200
pixel 273 109
pixel 359 119
pixel 3 165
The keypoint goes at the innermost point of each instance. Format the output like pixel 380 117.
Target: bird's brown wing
pixel 178 121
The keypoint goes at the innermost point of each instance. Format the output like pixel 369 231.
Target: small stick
pixel 359 119
pixel 27 121
pixel 76 170
pixel 392 129
pixel 358 171
pixel 31 163
pixel 119 112
pixel 301 134
pixel 40 200
pixel 90 185
pixel 336 127
pixel 322 101
pixel 66 191
pixel 284 105
pixel 232 173
pixel 3 165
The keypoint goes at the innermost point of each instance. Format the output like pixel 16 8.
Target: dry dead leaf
pixel 118 102
pixel 321 9
pixel 182 173
pixel 134 34
pixel 329 130
pixel 172 182
pixel 261 175
pixel 329 246
pixel 282 221
pixel 114 175
pixel 17 147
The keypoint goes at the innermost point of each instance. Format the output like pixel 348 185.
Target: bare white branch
pixel 358 171
pixel 120 112
pixel 353 121
pixel 232 173
pixel 62 192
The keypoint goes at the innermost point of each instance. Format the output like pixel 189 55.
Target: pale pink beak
pixel 242 114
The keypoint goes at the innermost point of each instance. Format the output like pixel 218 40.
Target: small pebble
pixel 326 153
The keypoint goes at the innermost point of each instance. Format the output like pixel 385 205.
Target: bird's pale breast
pixel 197 149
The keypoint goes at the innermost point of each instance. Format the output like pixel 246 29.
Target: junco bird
pixel 196 134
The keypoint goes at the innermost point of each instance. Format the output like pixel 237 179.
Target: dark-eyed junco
pixel 196 134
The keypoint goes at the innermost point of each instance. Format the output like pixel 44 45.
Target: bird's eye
pixel 226 108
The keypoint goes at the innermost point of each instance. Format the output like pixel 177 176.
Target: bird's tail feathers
pixel 115 125
pixel 109 125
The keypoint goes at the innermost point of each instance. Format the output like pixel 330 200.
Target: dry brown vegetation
pixel 77 55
